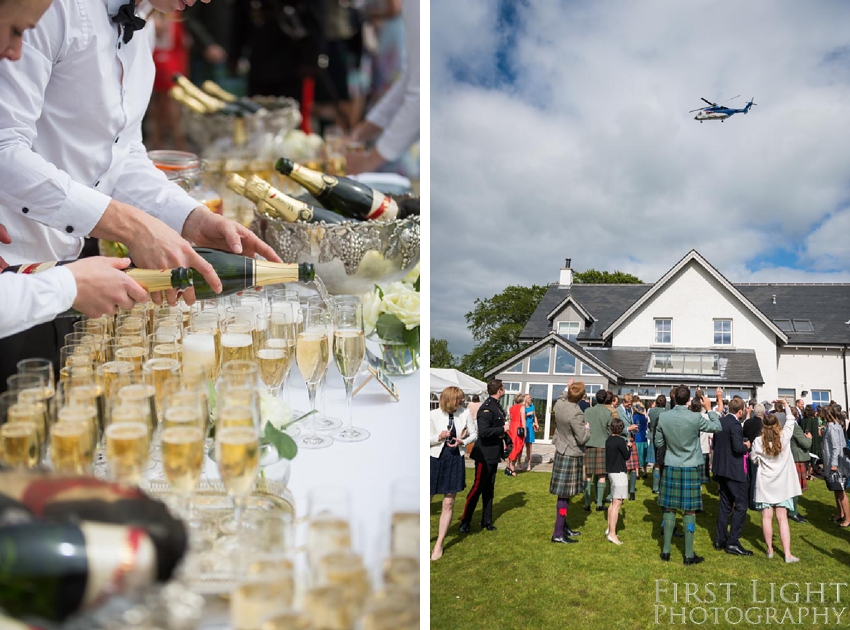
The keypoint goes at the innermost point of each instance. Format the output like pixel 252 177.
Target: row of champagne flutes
pixel 339 590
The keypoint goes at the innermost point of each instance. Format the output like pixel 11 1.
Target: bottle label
pixel 119 558
pixel 384 208
pixel 36 267
pixel 289 209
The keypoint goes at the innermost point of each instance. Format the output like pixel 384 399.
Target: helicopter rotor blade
pixel 698 109
pixel 731 99
pixel 709 102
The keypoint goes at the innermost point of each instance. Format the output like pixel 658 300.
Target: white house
pixel 692 326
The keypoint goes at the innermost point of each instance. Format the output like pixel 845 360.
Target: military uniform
pixel 486 453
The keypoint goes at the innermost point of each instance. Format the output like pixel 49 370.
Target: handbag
pixel 509 446
pixel 835 481
pixel 520 433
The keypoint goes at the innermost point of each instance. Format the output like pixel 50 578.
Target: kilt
pixel 803 474
pixel 567 479
pixel 633 462
pixel 681 489
pixel 594 460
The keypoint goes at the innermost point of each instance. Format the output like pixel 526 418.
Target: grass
pixel 516 578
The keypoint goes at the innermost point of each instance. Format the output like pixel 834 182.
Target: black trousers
pixel 39 342
pixel 734 502
pixel 753 471
pixel 484 484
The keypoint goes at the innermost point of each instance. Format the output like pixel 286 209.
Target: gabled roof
pixel 694 256
pixel 566 302
pixel 573 348
pixel 604 301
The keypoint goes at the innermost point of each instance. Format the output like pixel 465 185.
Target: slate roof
pixel 827 306
pixel 736 366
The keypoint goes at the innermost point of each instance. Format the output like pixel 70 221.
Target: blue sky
pixel 561 129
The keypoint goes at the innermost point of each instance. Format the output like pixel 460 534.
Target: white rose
pixel 274 411
pixel 411 277
pixel 372 309
pixel 403 302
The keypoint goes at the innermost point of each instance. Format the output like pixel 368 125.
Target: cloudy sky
pixel 562 129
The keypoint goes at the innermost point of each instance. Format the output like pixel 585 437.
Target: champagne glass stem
pixel 311 392
pixel 349 385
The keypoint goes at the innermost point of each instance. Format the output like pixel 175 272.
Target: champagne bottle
pixel 214 89
pixel 238 273
pixel 344 195
pixel 179 94
pixel 52 570
pixel 271 202
pixel 150 279
pixel 213 104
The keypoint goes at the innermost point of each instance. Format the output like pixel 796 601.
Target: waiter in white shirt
pixel 72 163
pixel 93 286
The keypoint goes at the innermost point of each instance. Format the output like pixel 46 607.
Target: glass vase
pixel 397 358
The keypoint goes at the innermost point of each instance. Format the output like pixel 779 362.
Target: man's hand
pixel 718 393
pixel 102 288
pixel 363 161
pixel 207 229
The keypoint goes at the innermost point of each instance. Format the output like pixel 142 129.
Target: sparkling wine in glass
pixel 349 352
pixel 312 354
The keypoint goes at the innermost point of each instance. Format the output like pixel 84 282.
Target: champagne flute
pixel 276 351
pixel 19 438
pixel 237 342
pixel 183 452
pixel 199 349
pixel 324 422
pixel 312 355
pixel 237 453
pixel 349 352
pixel 127 444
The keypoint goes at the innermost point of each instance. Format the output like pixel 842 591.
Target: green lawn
pixel 516 578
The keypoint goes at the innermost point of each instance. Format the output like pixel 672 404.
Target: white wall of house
pixel 693 299
pixel 812 369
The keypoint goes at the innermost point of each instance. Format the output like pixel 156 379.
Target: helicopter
pixel 719 112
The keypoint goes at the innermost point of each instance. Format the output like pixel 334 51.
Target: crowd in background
pixel 762 456
pixel 341 56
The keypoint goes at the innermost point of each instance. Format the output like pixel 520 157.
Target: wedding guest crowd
pixel 761 460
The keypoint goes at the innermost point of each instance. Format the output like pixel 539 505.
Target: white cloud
pixel 591 152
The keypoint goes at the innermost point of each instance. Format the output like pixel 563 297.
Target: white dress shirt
pixel 70 132
pixel 28 300
pixel 397 113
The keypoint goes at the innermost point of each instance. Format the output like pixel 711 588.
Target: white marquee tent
pixel 442 378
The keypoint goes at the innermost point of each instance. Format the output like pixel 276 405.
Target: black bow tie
pixel 128 20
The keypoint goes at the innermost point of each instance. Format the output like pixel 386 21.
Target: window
pixel 820 397
pixel 511 391
pixel 589 371
pixel 664 331
pixel 539 363
pixel 663 363
pixel 803 326
pixel 746 394
pixel 569 330
pixel 722 332
pixel 516 368
pixel 784 325
pixel 790 394
pixel 511 388
pixel 592 389
pixel 565 363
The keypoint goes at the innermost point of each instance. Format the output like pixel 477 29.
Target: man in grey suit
pixel 681 483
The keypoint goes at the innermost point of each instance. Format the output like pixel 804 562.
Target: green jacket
pixel 800 444
pixel 679 430
pixel 653 414
pixel 599 419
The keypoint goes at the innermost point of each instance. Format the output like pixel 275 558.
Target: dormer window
pixel 569 330
pixel 664 331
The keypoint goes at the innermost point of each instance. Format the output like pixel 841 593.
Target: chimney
pixel 566 279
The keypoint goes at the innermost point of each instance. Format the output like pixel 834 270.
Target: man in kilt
pixel 599 418
pixel 571 434
pixel 681 483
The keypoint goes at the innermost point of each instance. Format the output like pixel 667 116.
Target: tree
pixel 591 276
pixel 496 324
pixel 440 355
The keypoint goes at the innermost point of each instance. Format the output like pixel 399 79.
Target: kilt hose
pixel 681 489
pixel 567 478
pixel 594 461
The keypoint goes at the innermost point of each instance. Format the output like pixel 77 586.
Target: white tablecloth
pixel 367 469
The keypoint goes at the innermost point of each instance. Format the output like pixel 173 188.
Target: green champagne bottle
pixel 52 570
pixel 273 203
pixel 344 195
pixel 238 273
pixel 150 279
